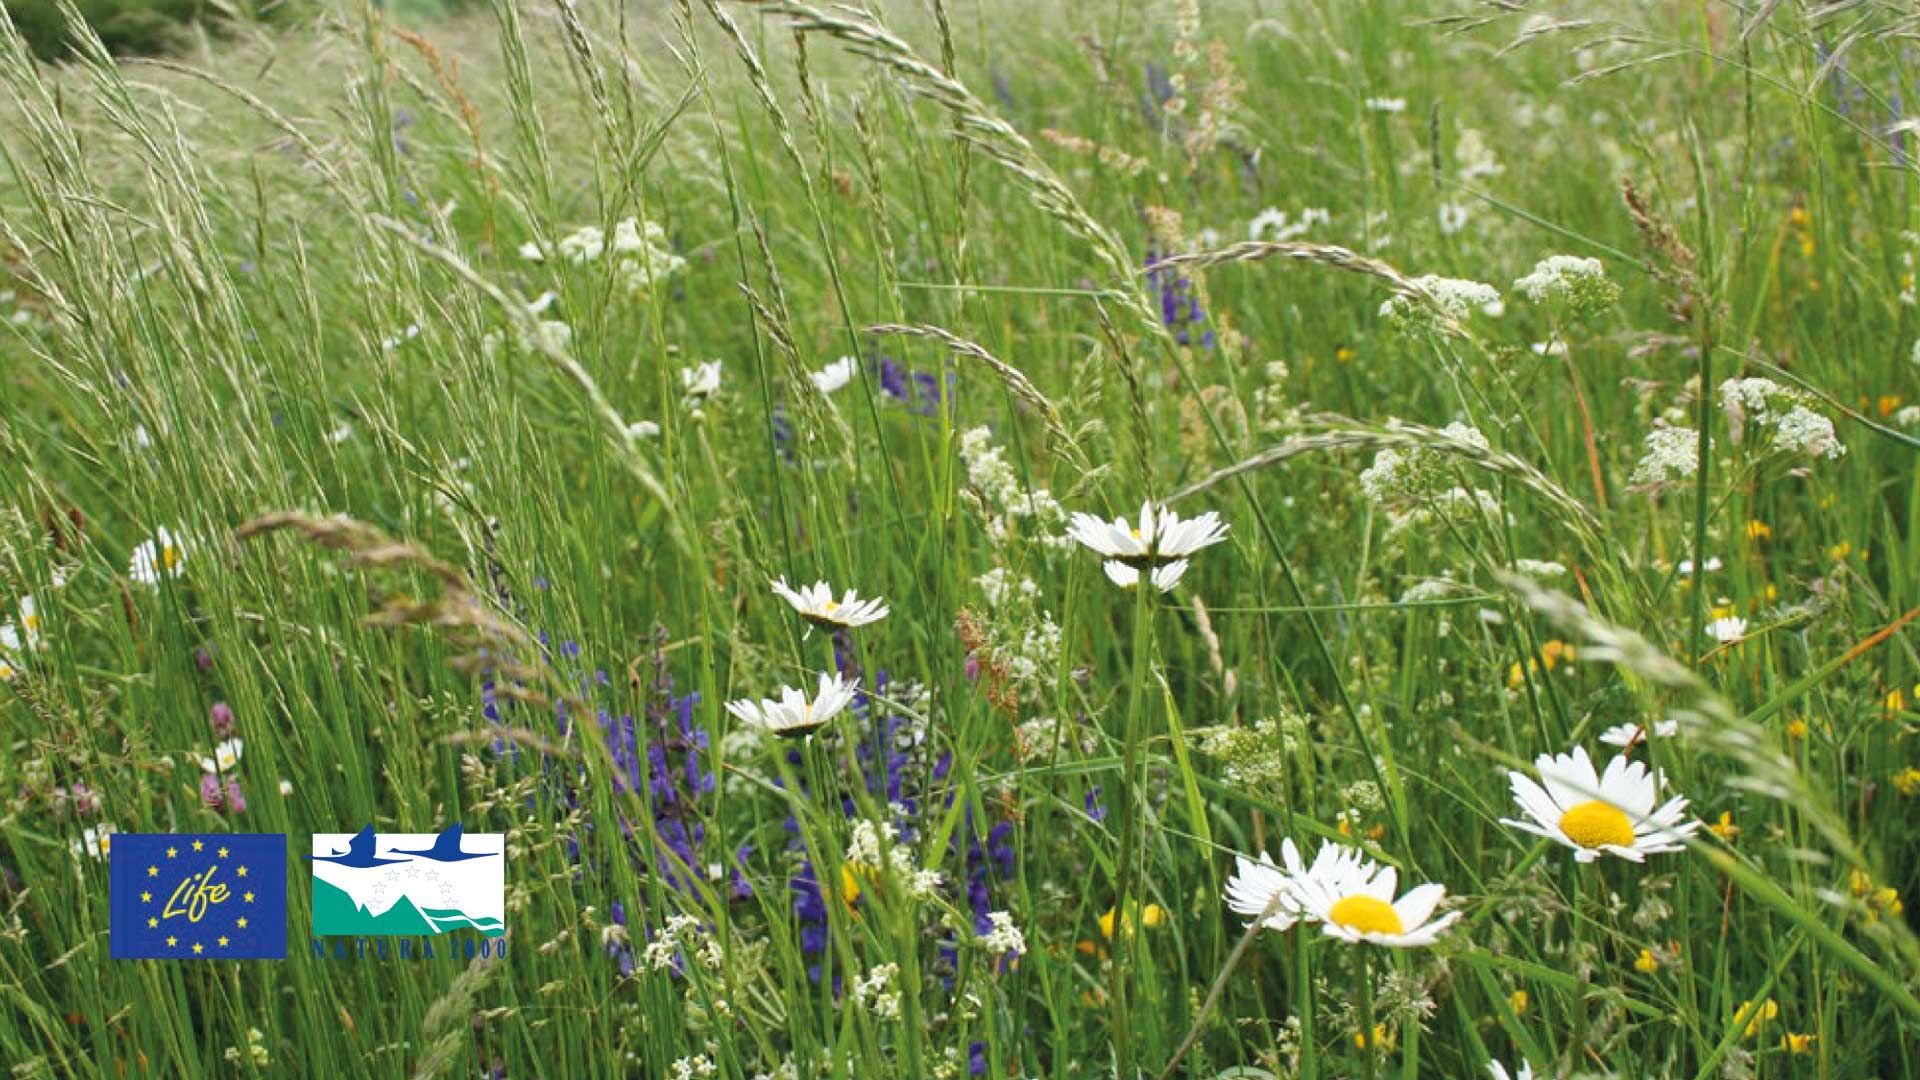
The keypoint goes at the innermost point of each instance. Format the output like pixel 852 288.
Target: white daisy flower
pixel 1164 577
pixel 643 429
pixel 834 375
pixel 225 757
pixel 1353 898
pixel 816 604
pixel 1629 735
pixel 1162 536
pixel 1727 629
pixel 1595 814
pixel 94 842
pixel 793 715
pixel 159 557
pixel 1500 1072
pixel 1259 889
pixel 1686 565
pixel 286 788
pixel 701 380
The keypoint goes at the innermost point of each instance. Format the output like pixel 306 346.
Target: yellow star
pixel 152 923
pixel 197 845
pixel 223 941
pixel 223 853
pixel 153 871
pixel 172 941
pixel 172 851
pixel 146 898
pixel 242 924
pixel 198 948
pixel 242 871
pixel 248 897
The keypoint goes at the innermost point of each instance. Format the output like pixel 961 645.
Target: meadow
pixel 1357 538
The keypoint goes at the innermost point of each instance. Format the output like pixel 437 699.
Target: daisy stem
pixel 1131 814
pixel 1370 1049
pixel 1303 1001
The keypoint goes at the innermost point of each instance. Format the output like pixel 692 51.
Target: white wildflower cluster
pixel 1476 159
pixel 256 1049
pixel 1455 298
pixel 877 992
pixel 1271 409
pixel 1274 223
pixel 696 1067
pixel 1002 936
pixel 1000 586
pixel 1036 652
pixel 1908 417
pixel 1005 499
pixel 1573 282
pixel 638 251
pixel 1400 475
pixel 682 936
pixel 1252 758
pixel 1040 737
pixel 1545 570
pixel 1452 218
pixel 875 846
pixel 546 335
pixel 786 1070
pixel 1429 590
pixel 1908 295
pixel 1758 404
pixel 1672 456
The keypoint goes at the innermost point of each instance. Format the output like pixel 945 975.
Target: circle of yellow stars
pixel 198 948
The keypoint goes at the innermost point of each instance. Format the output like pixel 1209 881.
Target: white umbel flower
pixel 1500 1072
pixel 1594 814
pixel 1161 535
pixel 816 604
pixel 162 556
pixel 793 715
pixel 1629 735
pixel 1003 936
pixel 1353 899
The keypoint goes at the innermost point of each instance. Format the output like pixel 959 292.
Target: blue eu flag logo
pixel 198 896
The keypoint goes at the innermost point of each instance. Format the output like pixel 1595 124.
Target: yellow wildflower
pixel 1796 728
pixel 1797 1044
pixel 1725 829
pixel 1754 1016
pixel 1647 962
pixel 1384 1038
pixel 1759 530
pixel 1907 781
pixel 1519 1001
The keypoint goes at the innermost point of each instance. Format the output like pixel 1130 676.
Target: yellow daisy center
pixel 169 556
pixel 1593 824
pixel 1367 915
pixel 1136 533
pixel 830 607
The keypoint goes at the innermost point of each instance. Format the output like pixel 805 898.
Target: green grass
pixel 272 298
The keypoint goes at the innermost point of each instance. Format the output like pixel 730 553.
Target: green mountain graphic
pixel 334 912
